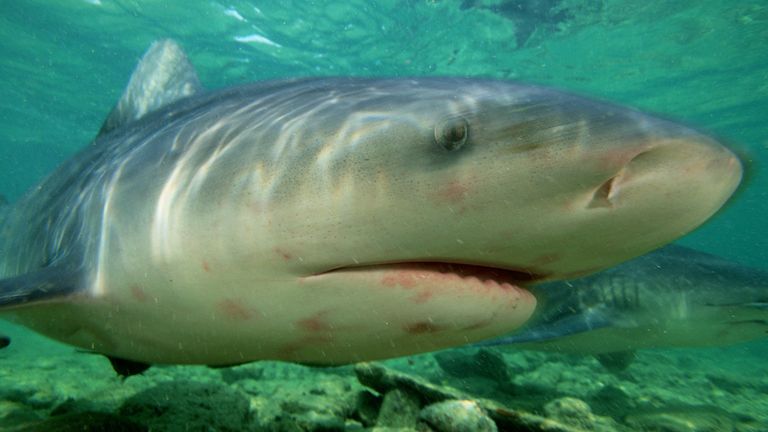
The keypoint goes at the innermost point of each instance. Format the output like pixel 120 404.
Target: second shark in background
pixel 672 297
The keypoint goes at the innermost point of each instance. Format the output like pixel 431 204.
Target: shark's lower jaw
pixel 420 305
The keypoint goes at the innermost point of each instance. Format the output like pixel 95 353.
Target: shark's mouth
pixel 411 273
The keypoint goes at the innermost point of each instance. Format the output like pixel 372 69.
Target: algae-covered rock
pixel 684 419
pixel 189 406
pixel 307 401
pixel 577 413
pixel 81 422
pixel 400 408
pixel 484 363
pixel 384 379
pixel 457 416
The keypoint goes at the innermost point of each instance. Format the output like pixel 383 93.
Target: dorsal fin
pixel 164 75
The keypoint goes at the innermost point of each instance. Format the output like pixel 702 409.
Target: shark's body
pixel 336 220
pixel 672 297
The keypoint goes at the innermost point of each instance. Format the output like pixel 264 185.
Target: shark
pixel 672 297
pixel 333 220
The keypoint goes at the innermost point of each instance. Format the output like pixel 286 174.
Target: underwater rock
pixel 192 406
pixel 684 419
pixel 81 422
pixel 311 421
pixel 484 364
pixel 457 416
pixel 616 362
pixel 367 408
pixel 577 413
pixel 309 415
pixel 400 408
pixel 612 398
pixel 233 374
pixel 730 384
pixel 77 406
pixel 384 379
pixel 306 401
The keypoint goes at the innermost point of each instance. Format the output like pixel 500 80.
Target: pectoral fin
pixel 47 284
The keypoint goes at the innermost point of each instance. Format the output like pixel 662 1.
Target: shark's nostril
pixel 605 194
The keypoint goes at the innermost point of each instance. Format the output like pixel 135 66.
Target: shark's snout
pixel 683 165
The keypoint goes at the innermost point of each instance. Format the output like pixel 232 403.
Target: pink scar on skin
pixel 453 192
pixel 234 310
pixel 139 293
pixel 422 327
pixel 403 278
pixel 423 296
pixel 283 254
pixel 315 323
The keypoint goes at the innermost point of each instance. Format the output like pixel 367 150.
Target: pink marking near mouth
pixel 409 275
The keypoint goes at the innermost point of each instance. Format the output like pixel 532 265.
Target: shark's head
pixel 538 182
pixel 435 199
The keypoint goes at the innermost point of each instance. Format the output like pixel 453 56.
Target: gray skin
pixel 332 220
pixel 672 297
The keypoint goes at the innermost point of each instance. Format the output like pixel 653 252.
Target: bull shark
pixel 671 297
pixel 335 220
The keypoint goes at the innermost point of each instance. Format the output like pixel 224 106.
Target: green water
pixel 64 64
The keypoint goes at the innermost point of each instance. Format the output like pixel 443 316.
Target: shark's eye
pixel 452 134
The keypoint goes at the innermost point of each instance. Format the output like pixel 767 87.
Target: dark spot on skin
pixel 283 254
pixel 422 327
pixel 206 267
pixel 139 293
pixel 316 323
pixel 235 310
pixel 452 192
pixel 422 297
